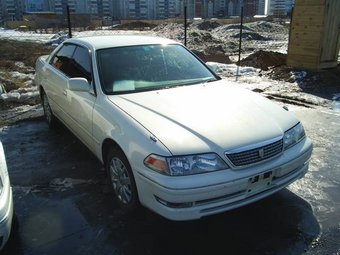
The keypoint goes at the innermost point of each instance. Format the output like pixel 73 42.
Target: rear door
pixel 56 81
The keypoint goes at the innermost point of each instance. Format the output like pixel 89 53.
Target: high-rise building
pixel 12 9
pixel 146 9
pixel 220 8
pixel 249 8
pixel 234 7
pixel 260 7
pixel 97 8
pixel 279 8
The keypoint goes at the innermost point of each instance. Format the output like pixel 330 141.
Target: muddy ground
pixel 64 204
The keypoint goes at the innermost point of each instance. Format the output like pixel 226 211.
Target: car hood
pixel 216 116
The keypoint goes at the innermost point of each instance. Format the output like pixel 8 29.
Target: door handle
pixel 65 92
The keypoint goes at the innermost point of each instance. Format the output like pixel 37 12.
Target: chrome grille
pixel 255 155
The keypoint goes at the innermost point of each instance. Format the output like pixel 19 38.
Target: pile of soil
pixel 323 82
pixel 311 79
pixel 207 25
pixel 264 59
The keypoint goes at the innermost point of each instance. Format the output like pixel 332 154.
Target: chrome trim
pixel 254 146
pixel 255 154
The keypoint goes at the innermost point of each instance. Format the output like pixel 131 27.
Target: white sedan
pixel 172 135
pixel 6 201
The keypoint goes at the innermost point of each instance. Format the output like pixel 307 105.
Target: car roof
pixel 102 42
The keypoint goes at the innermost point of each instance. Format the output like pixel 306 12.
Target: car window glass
pixel 139 68
pixel 80 65
pixel 61 60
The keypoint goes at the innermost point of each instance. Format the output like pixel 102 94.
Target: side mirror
pixel 78 84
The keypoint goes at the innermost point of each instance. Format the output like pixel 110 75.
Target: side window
pixel 80 65
pixel 62 58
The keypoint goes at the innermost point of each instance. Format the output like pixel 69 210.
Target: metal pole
pixel 185 26
pixel 240 44
pixel 69 22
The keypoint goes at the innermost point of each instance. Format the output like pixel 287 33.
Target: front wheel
pixel 49 116
pixel 121 180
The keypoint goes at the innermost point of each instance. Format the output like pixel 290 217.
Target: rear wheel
pixel 121 180
pixel 50 118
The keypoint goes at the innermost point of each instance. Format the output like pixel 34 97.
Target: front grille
pixel 255 155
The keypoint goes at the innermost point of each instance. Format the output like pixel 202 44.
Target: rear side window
pixel 63 57
pixel 74 61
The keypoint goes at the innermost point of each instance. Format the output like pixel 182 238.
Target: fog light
pixel 174 205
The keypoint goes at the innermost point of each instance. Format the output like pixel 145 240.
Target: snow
pixel 54 39
pixel 29 95
pixel 336 101
pixel 18 75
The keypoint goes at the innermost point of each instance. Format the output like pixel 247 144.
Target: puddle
pixel 46 225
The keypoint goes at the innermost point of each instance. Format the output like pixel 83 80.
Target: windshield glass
pixel 140 68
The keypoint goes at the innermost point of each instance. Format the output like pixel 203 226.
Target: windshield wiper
pixel 209 80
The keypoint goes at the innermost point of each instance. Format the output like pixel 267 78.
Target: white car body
pixel 215 117
pixel 6 201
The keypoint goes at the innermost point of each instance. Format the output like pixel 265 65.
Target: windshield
pixel 149 67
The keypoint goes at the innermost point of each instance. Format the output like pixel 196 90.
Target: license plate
pixel 260 182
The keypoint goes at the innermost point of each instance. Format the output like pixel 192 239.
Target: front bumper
pixel 192 197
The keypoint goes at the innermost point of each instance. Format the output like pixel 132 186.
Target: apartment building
pixel 233 7
pixel 146 9
pixel 279 7
pixel 12 9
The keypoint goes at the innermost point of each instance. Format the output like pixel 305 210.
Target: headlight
pixel 293 136
pixel 186 165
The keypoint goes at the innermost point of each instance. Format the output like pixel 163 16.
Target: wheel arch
pixel 109 143
pixel 41 91
pixel 111 148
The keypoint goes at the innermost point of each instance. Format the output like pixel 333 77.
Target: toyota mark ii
pixel 173 136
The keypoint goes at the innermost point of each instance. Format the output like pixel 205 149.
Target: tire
pixel 122 181
pixel 49 116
